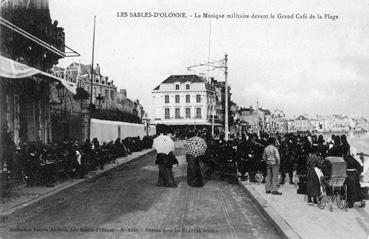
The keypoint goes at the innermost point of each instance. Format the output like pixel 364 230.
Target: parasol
pixel 195 146
pixel 163 144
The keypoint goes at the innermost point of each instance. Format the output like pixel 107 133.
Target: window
pixel 188 113
pixel 178 113
pixel 177 98
pixel 187 86
pixel 198 112
pixel 167 113
pixel 177 86
pixel 198 98
pixel 167 99
pixel 112 95
pixel 188 98
pixel 107 93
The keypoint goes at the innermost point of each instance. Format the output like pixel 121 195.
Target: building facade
pixel 104 92
pixel 302 123
pixel 26 92
pixel 279 122
pixel 186 100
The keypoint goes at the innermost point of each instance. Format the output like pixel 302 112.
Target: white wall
pixel 105 130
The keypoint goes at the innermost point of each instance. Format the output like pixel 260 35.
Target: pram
pixel 334 189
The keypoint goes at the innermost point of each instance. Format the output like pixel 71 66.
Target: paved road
pixel 127 204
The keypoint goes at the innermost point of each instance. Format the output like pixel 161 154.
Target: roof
pixel 301 117
pixel 267 112
pixel 181 79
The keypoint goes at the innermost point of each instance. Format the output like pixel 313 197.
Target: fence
pixel 106 130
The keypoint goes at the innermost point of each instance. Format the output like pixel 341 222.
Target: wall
pixel 106 130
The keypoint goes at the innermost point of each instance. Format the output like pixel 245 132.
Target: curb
pixel 69 186
pixel 282 227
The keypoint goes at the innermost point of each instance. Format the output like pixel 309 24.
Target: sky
pixel 302 66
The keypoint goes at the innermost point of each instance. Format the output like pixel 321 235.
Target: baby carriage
pixel 334 189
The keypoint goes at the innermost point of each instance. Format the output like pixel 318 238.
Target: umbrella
pixel 195 146
pixel 163 144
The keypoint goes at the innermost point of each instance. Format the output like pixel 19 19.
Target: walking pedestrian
pixel 165 163
pixel 272 160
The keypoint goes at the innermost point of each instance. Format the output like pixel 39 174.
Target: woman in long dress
pixel 354 169
pixel 194 176
pixel 313 181
pixel 165 163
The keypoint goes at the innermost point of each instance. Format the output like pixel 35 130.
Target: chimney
pixel 97 69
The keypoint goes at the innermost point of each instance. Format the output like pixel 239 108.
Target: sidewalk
pixel 294 218
pixel 31 195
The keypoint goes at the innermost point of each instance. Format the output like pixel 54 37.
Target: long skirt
pixel 166 178
pixel 353 187
pixel 194 177
pixel 313 184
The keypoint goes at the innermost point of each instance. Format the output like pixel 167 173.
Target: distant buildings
pixel 262 121
pixel 279 122
pixel 103 89
pixel 302 123
pixel 328 123
pixel 256 120
pixel 104 92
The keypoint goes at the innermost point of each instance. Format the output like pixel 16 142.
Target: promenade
pixel 27 196
pixel 126 203
pixel 294 218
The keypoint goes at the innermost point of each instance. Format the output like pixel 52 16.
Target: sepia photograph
pixel 184 119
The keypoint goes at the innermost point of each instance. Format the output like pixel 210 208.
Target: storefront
pixel 26 95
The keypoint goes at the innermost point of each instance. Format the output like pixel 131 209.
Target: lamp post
pixel 92 80
pixel 212 119
pixel 224 68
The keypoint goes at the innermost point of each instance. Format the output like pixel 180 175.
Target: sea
pixel 358 140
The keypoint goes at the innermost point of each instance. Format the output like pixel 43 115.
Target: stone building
pixel 104 91
pixel 302 123
pixel 30 45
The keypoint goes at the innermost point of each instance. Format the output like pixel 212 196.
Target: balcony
pixel 21 48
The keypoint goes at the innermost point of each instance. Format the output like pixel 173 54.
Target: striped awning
pixel 14 70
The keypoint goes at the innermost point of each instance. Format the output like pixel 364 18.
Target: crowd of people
pixel 274 160
pixel 44 164
pixel 297 159
pixel 301 157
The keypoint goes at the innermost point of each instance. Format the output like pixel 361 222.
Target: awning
pixel 168 122
pixel 15 70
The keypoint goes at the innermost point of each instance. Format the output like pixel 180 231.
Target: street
pixel 128 204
